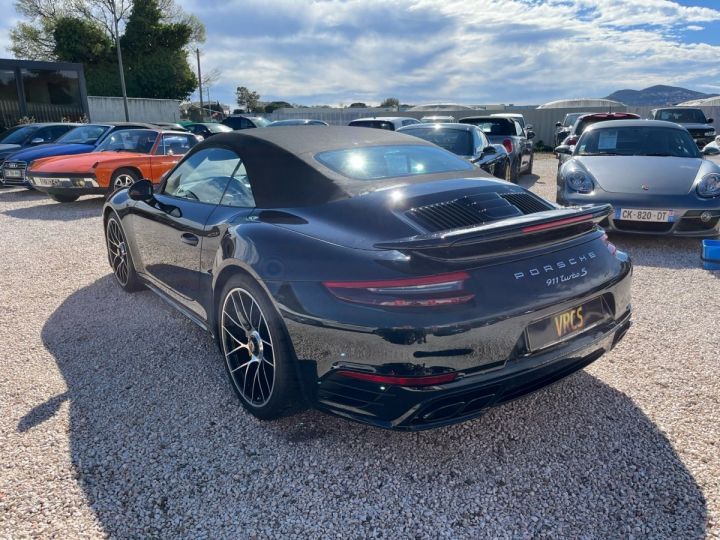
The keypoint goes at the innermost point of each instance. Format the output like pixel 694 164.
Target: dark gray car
pixel 651 172
pixel 512 136
pixel 466 141
pixel 691 119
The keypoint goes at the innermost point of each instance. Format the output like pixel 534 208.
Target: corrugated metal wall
pixel 543 120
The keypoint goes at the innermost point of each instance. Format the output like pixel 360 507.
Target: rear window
pixel 378 162
pixel 492 127
pixel 378 124
pixel 457 141
pixel 685 116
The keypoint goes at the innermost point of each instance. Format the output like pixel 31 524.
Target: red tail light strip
pixel 424 380
pixel 558 223
pixel 411 282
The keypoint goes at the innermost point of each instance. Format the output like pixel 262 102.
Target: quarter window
pixel 204 176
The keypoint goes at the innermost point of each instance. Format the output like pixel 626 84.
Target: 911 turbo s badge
pixel 572 263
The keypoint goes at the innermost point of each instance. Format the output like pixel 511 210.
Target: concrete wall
pixel 108 109
pixel 543 120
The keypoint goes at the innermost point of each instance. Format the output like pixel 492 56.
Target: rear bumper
pixel 420 408
pixel 491 356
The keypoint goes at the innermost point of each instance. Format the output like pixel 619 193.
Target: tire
pixel 530 165
pixel 507 171
pixel 258 354
pixel 514 171
pixel 64 198
pixel 120 179
pixel 119 256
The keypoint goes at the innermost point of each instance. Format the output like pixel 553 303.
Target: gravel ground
pixel 117 420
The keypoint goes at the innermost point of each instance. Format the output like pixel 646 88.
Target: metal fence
pixel 542 120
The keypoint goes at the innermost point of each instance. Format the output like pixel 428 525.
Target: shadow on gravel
pixel 659 251
pixel 80 209
pixel 20 194
pixel 162 448
pixel 528 180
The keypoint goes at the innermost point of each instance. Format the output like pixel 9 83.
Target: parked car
pixel 509 133
pixel 467 141
pixel 297 122
pixel 30 135
pixel 79 140
pixel 237 121
pixel 691 119
pixel 515 116
pixel 582 123
pixel 123 158
pixel 207 129
pixel 651 172
pixel 437 119
pixel 169 125
pixel 441 291
pixel 390 123
pixel 565 127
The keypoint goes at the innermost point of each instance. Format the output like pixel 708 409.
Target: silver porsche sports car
pixel 650 171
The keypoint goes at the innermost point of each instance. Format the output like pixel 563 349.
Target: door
pixel 169 235
pixel 525 145
pixel 168 151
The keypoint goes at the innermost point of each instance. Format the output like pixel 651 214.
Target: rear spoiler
pixel 581 219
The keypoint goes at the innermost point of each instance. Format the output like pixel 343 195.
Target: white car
pixel 391 123
pixel 713 148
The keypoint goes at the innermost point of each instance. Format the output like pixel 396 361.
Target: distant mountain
pixel 657 95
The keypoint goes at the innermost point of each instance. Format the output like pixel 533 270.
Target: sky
pixel 460 51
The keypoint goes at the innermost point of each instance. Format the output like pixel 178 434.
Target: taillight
pixel 557 223
pixel 422 380
pixel 611 247
pixel 507 143
pixel 428 291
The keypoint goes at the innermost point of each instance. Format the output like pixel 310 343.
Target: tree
pixel 247 99
pixel 32 38
pixel 155 60
pixel 274 105
pixel 391 102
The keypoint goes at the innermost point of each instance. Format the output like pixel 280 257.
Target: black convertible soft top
pixel 284 173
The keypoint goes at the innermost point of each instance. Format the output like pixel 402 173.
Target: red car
pixel 123 158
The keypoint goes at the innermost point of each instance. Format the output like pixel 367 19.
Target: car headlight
pixel 710 133
pixel 579 181
pixel 709 186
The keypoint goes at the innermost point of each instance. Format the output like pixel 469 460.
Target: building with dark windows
pixel 42 91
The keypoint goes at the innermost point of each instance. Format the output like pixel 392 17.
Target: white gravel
pixel 117 421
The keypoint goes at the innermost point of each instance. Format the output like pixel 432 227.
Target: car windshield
pixel 492 127
pixel 218 128
pixel 457 141
pixel 378 124
pixel 377 162
pixel 637 141
pixel 685 116
pixel 129 140
pixel 583 123
pixel 260 122
pixel 570 119
pixel 83 135
pixel 18 134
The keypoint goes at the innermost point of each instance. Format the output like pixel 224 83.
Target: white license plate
pixel 12 173
pixel 639 214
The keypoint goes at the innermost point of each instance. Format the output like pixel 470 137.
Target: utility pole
pixel 202 107
pixel 122 73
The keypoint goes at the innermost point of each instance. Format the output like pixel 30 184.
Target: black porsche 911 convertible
pixel 371 274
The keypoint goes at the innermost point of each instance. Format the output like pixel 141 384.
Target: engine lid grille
pixel 474 210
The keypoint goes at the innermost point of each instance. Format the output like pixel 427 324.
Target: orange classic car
pixel 124 157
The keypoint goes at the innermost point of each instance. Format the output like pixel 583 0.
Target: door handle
pixel 190 239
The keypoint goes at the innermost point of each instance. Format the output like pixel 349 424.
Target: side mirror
pixel 563 149
pixel 558 124
pixel 529 127
pixel 710 151
pixel 709 120
pixel 37 140
pixel 489 149
pixel 530 135
pixel 142 190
